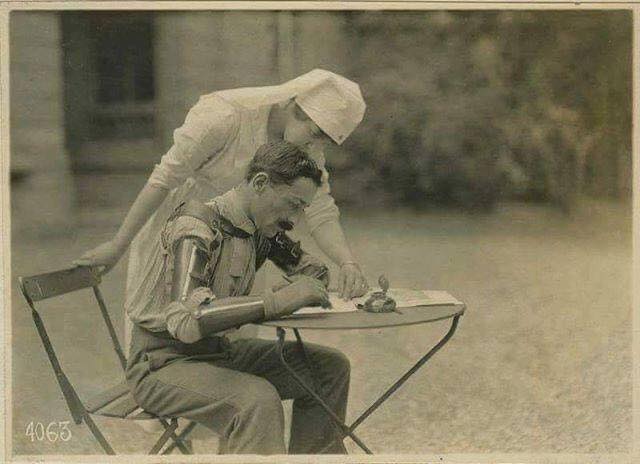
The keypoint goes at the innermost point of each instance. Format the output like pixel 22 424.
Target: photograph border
pixel 7 7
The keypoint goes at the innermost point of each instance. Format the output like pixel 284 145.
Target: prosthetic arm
pixel 189 289
pixel 194 312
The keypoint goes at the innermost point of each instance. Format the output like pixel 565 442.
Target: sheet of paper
pixel 337 303
pixel 405 298
pixel 439 297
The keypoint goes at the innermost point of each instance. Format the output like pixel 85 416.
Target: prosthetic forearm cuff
pixel 228 313
pixel 270 305
pixel 189 323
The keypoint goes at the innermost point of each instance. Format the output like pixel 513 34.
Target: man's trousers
pixel 236 389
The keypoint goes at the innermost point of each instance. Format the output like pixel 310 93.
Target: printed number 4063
pixel 52 432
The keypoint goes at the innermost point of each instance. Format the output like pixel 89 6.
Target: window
pixel 122 53
pixel 109 78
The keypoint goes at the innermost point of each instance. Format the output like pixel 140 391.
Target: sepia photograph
pixel 319 232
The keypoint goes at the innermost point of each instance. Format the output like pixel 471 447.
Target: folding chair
pixel 116 401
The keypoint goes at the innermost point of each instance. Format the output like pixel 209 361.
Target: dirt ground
pixel 541 361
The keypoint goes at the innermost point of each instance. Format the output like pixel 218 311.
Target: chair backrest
pixel 51 284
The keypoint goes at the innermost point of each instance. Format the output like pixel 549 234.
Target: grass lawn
pixel 541 361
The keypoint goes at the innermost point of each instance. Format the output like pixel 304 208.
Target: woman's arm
pixel 331 240
pixel 109 253
pixel 204 133
pixel 323 218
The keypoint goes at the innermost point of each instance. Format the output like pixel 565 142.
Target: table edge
pixel 273 323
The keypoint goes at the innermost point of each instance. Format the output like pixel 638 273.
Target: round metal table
pixel 360 320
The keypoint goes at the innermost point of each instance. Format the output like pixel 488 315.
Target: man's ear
pixel 260 181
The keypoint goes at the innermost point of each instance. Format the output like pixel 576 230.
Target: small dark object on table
pixel 379 302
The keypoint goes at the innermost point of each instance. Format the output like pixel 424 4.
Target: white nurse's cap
pixel 334 103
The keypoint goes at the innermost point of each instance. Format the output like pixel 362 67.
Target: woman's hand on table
pixel 104 256
pixel 351 281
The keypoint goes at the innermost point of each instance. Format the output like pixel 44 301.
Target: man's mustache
pixel 285 225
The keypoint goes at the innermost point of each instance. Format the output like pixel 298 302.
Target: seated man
pixel 181 362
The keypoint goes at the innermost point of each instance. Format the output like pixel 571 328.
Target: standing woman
pixel 210 154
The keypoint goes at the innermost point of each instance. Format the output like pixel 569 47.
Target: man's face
pixel 302 131
pixel 278 207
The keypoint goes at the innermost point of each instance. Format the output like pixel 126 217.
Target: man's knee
pixel 333 361
pixel 260 401
pixel 341 362
pixel 258 424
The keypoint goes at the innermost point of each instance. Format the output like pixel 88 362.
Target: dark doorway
pixel 109 89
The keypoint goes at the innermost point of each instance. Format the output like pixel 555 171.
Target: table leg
pixel 344 429
pixel 305 356
pixel 406 376
pixel 347 430
pixel 312 371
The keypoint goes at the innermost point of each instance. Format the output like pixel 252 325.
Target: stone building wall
pixel 42 195
pixel 194 53
pixel 200 52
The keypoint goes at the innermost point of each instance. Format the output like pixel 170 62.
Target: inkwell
pixel 379 302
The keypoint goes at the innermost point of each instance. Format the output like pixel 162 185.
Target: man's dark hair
pixel 284 162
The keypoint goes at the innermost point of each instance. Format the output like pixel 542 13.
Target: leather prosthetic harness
pixel 196 254
pixel 190 275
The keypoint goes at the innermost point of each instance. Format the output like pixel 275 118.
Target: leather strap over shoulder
pixel 196 209
pixel 199 223
pixel 211 216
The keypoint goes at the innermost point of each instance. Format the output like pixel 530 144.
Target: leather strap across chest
pixel 211 216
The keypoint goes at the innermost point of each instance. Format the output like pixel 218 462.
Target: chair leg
pixel 164 437
pixel 180 439
pixel 98 434
pixel 177 440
